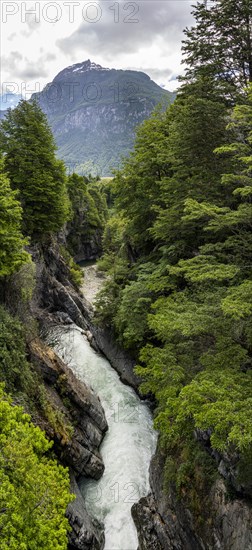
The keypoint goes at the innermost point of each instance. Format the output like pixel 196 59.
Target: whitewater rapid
pixel 126 449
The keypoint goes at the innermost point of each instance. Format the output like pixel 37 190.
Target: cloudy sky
pixel 141 34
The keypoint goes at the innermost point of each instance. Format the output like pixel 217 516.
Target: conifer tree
pixel 28 145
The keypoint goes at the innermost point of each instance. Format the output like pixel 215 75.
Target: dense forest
pixel 177 248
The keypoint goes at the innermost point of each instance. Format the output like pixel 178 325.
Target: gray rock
pixel 87 533
pixel 84 412
pixel 165 523
pixel 228 465
pixel 104 341
pixel 63 318
pixel 232 525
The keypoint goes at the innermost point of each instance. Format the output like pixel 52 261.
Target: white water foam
pixel 126 449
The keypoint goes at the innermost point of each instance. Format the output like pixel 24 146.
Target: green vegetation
pixel 56 418
pixel 34 490
pixel 76 273
pixel 89 213
pixel 32 507
pixel 218 48
pixel 31 164
pixel 178 251
pixel 12 254
pixel 21 380
pixel 15 371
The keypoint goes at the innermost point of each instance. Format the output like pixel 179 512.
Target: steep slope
pixel 94 111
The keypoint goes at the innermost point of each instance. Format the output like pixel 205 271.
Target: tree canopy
pixel 33 169
pixel 34 489
pixel 219 46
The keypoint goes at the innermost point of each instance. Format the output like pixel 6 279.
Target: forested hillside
pixel 178 248
pixel 37 201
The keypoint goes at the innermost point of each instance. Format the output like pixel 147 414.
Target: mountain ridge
pixel 94 111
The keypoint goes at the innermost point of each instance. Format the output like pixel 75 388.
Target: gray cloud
pixel 25 69
pixel 31 71
pixel 158 74
pixel 30 20
pixel 12 36
pixel 12 61
pixel 162 76
pixel 156 20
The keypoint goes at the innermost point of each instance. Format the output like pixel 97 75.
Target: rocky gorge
pixel 163 521
pixel 81 423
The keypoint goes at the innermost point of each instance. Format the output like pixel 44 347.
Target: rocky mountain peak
pixel 80 68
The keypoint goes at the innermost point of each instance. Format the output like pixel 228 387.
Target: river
pixel 126 449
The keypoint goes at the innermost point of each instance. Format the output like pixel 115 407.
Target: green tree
pixel 228 225
pixel 200 370
pixel 219 47
pixel 15 371
pixel 89 212
pixel 29 149
pixel 12 253
pixel 138 185
pixel 197 126
pixel 173 160
pixel 34 490
pixel 182 300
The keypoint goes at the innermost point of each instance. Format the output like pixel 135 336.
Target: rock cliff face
pixel 56 297
pixel 93 113
pixel 86 532
pixel 90 250
pixel 76 421
pixel 85 413
pixel 165 523
pixel 228 466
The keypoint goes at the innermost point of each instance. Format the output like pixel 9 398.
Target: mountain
pixel 94 111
